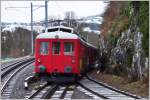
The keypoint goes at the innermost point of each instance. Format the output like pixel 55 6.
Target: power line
pixel 38 6
pixel 31 7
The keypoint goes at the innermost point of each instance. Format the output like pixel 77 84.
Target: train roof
pixel 57 34
pixel 63 35
pixel 88 44
pixel 62 32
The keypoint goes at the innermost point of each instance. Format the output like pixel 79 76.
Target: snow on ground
pixel 9 28
pixel 12 28
pixel 87 29
pixel 39 28
pixel 96 21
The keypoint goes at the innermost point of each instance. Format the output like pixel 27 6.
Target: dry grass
pixel 140 87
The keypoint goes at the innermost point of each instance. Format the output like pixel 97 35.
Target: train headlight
pixel 73 61
pixel 68 69
pixel 42 68
pixel 38 60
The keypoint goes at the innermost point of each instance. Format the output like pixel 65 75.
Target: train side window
pixel 44 48
pixel 68 48
pixel 56 47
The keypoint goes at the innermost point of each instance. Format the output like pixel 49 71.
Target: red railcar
pixel 61 55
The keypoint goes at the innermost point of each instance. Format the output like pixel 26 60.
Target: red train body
pixel 62 55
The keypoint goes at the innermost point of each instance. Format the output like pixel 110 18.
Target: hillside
pixel 123 46
pixel 124 41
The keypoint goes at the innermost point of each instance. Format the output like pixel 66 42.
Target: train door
pixel 69 56
pixel 44 54
pixel 57 60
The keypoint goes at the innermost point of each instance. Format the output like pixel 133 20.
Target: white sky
pixel 55 8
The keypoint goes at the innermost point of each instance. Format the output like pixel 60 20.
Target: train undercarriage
pixel 58 77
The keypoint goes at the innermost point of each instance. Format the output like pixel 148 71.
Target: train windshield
pixel 52 30
pixel 44 48
pixel 59 29
pixel 65 30
pixel 68 48
pixel 56 47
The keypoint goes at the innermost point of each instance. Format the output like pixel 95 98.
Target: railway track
pixel 87 85
pixel 98 90
pixel 54 91
pixel 5 65
pixel 8 75
pixel 6 72
pixel 15 63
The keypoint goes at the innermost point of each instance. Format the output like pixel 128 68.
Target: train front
pixel 56 57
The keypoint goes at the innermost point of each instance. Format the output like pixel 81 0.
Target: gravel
pixel 18 91
pixel 79 95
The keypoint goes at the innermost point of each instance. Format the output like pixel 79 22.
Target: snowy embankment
pixel 94 23
pixel 12 28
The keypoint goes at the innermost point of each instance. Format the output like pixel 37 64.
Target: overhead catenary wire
pixel 31 7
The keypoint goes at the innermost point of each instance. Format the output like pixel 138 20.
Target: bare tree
pixel 70 18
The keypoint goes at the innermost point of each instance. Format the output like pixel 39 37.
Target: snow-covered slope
pixel 9 28
pixel 92 21
pixel 88 29
pixel 97 19
pixel 12 27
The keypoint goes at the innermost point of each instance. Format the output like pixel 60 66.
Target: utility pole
pixel 46 14
pixel 31 28
pixel 31 6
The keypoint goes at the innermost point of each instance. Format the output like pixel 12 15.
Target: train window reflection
pixel 68 48
pixel 44 48
pixel 56 47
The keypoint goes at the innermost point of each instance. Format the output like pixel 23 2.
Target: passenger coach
pixel 61 55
